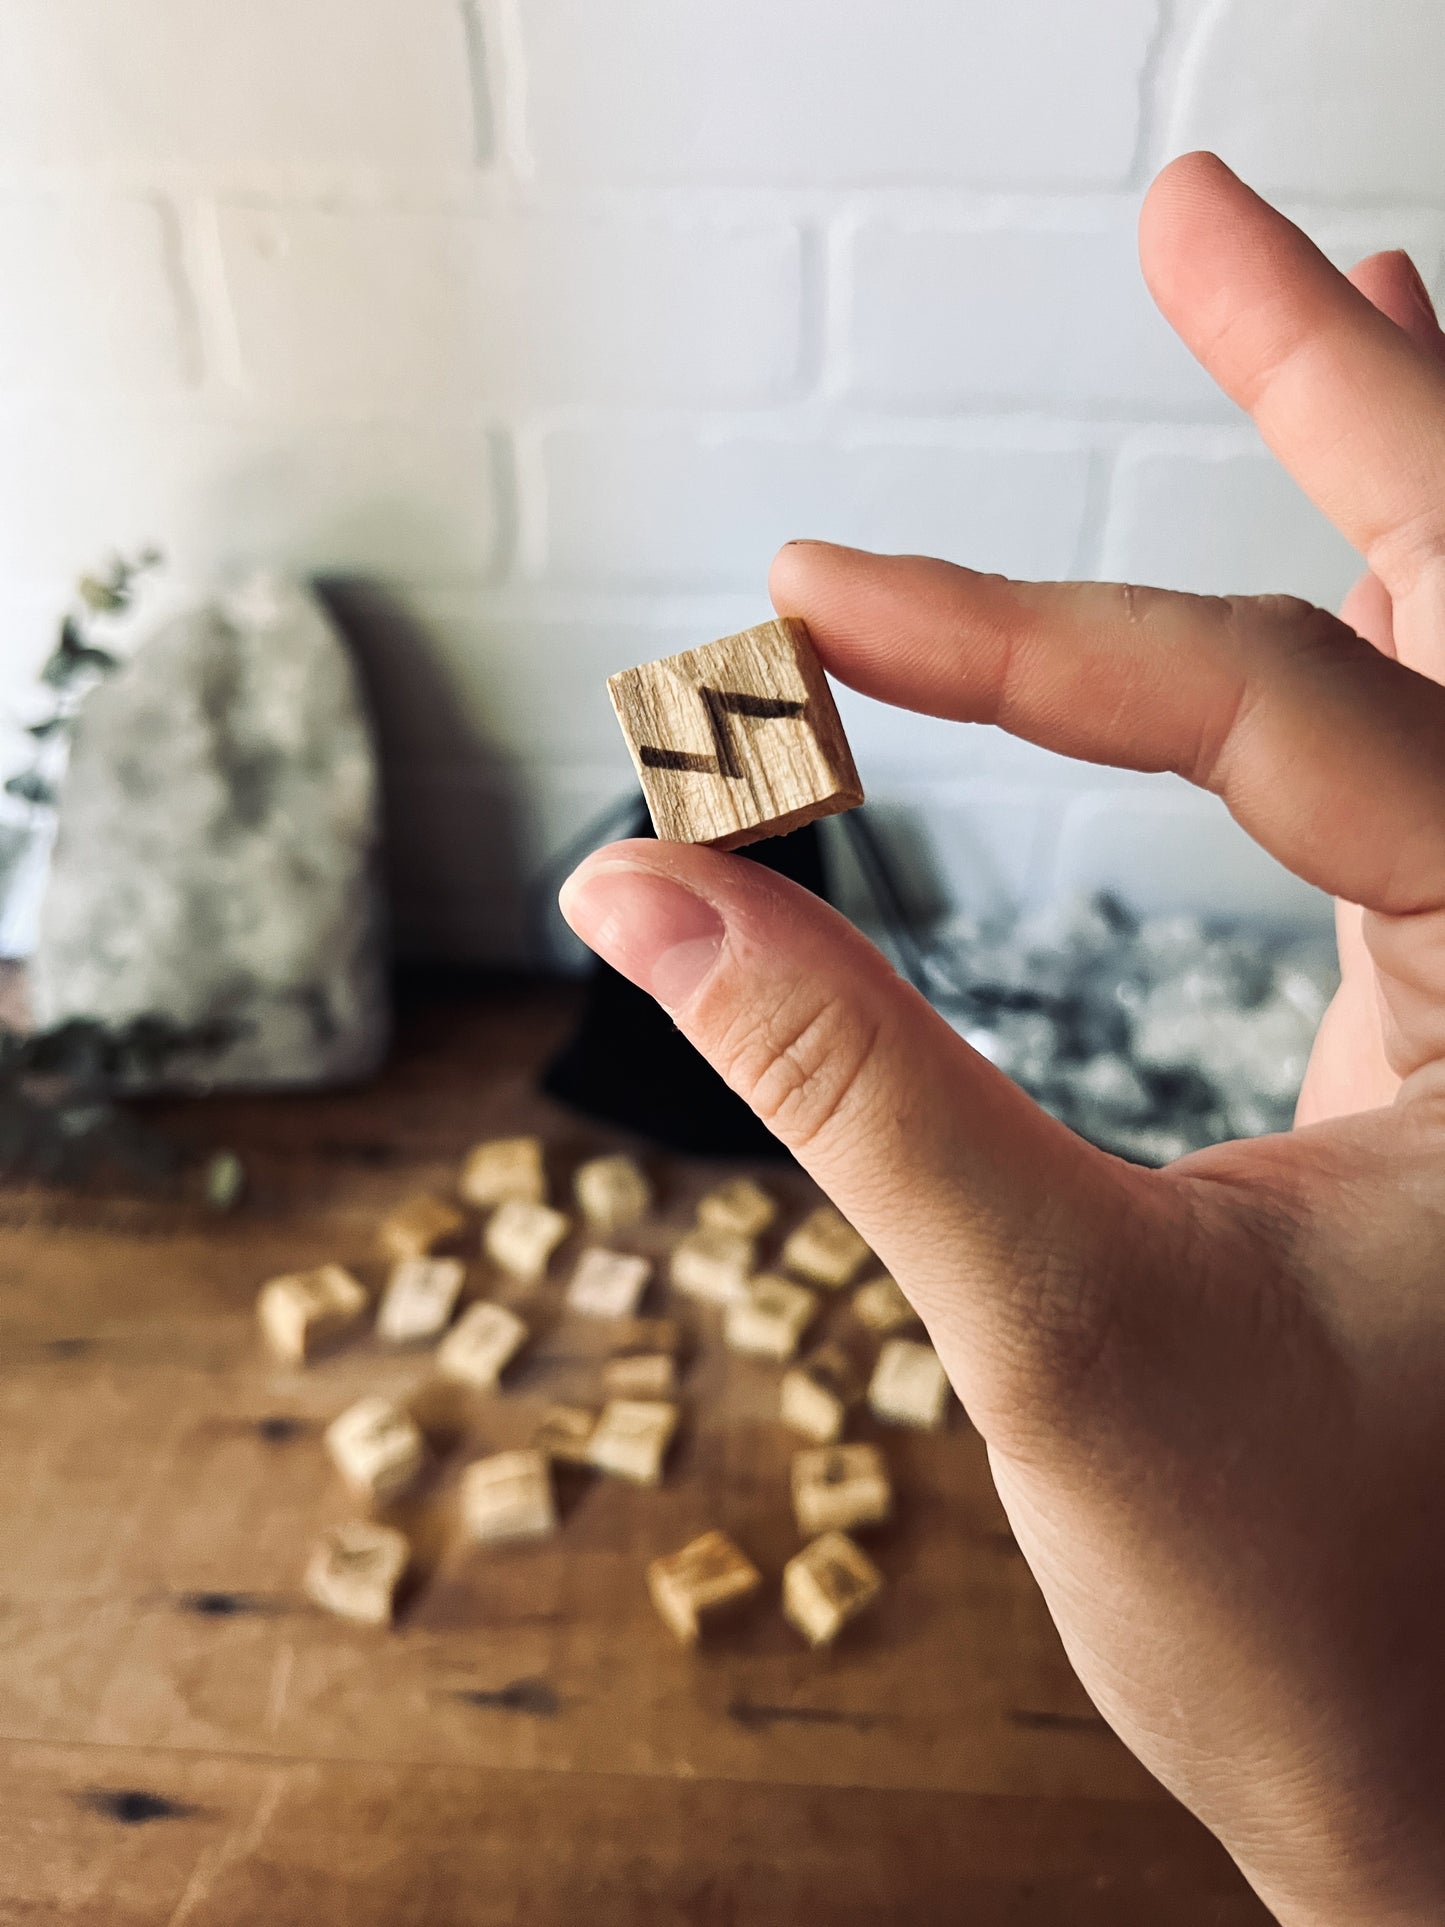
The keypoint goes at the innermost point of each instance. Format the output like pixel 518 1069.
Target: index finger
pixel 1351 405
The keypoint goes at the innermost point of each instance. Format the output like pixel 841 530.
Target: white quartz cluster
pixel 1151 1037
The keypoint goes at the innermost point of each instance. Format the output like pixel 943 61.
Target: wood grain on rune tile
pixel 737 740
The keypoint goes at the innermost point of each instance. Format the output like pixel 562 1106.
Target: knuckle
pixel 803 1063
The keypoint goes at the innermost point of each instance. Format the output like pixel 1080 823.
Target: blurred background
pixel 532 327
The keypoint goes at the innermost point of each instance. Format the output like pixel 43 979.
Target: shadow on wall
pixel 429 864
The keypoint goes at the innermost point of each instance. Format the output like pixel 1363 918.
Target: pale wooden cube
pixel 356 1569
pixel 305 1311
pixel 565 1433
pixel 825 1249
pixel 648 1335
pixel 520 1238
pixel 695 1587
pixel 508 1497
pixel 612 1193
pixel 737 740
pixel 421 1295
pixel 480 1346
pixel 819 1393
pixel 840 1488
pixel 909 1385
pixel 828 1584
pixel 771 1320
pixel 608 1284
pixel 640 1375
pixel 881 1306
pixel 740 1206
pixel 713 1265
pixel 420 1226
pixel 632 1438
pixel 503 1168
pixel 377 1447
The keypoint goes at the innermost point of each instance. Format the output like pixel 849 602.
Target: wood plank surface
pixel 529 1742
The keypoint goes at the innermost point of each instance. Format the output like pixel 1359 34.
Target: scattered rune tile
pixel 420 1226
pixel 508 1497
pixel 612 1193
pixel 771 1320
pixel 306 1311
pixel 377 1447
pixel 740 1206
pixel 840 1488
pixel 632 1438
pixel 640 1375
pixel 819 1392
pixel 608 1284
pixel 825 1249
pixel 712 1265
pixel 520 1238
pixel 881 1306
pixel 421 1295
pixel 565 1433
pixel 705 1581
pixel 909 1385
pixel 504 1168
pixel 737 740
pixel 480 1346
pixel 828 1584
pixel 356 1570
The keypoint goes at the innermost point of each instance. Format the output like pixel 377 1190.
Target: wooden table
pixel 184 1742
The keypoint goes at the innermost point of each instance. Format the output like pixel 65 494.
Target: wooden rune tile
pixel 828 1583
pixel 737 740
pixel 838 1488
pixel 421 1295
pixel 909 1385
pixel 480 1346
pixel 704 1581
pixel 608 1284
pixel 305 1311
pixel 771 1320
pixel 356 1569
pixel 420 1226
pixel 377 1447
pixel 502 1168
pixel 612 1193
pixel 508 1497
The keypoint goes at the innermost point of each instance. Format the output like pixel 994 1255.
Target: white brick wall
pixel 536 325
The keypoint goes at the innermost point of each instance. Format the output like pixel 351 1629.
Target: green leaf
pixel 52 726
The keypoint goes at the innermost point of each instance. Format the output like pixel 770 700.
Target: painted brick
pixel 1229 523
pixel 1031 94
pixel 675 507
pixel 1036 316
pixel 455 674
pixel 93 300
pixel 270 84
pixel 395 312
pixel 404 501
pixel 1337 101
pixel 1174 848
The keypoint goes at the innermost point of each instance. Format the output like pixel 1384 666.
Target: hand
pixel 1214 1395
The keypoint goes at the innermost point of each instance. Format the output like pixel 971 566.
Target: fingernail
pixel 806 542
pixel 659 935
pixel 1421 293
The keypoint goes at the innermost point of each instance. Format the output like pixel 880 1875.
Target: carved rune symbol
pixel 720 704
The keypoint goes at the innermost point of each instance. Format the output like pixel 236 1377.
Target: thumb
pixel 1005 1229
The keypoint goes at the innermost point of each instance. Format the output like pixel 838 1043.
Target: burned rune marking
pixel 721 704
